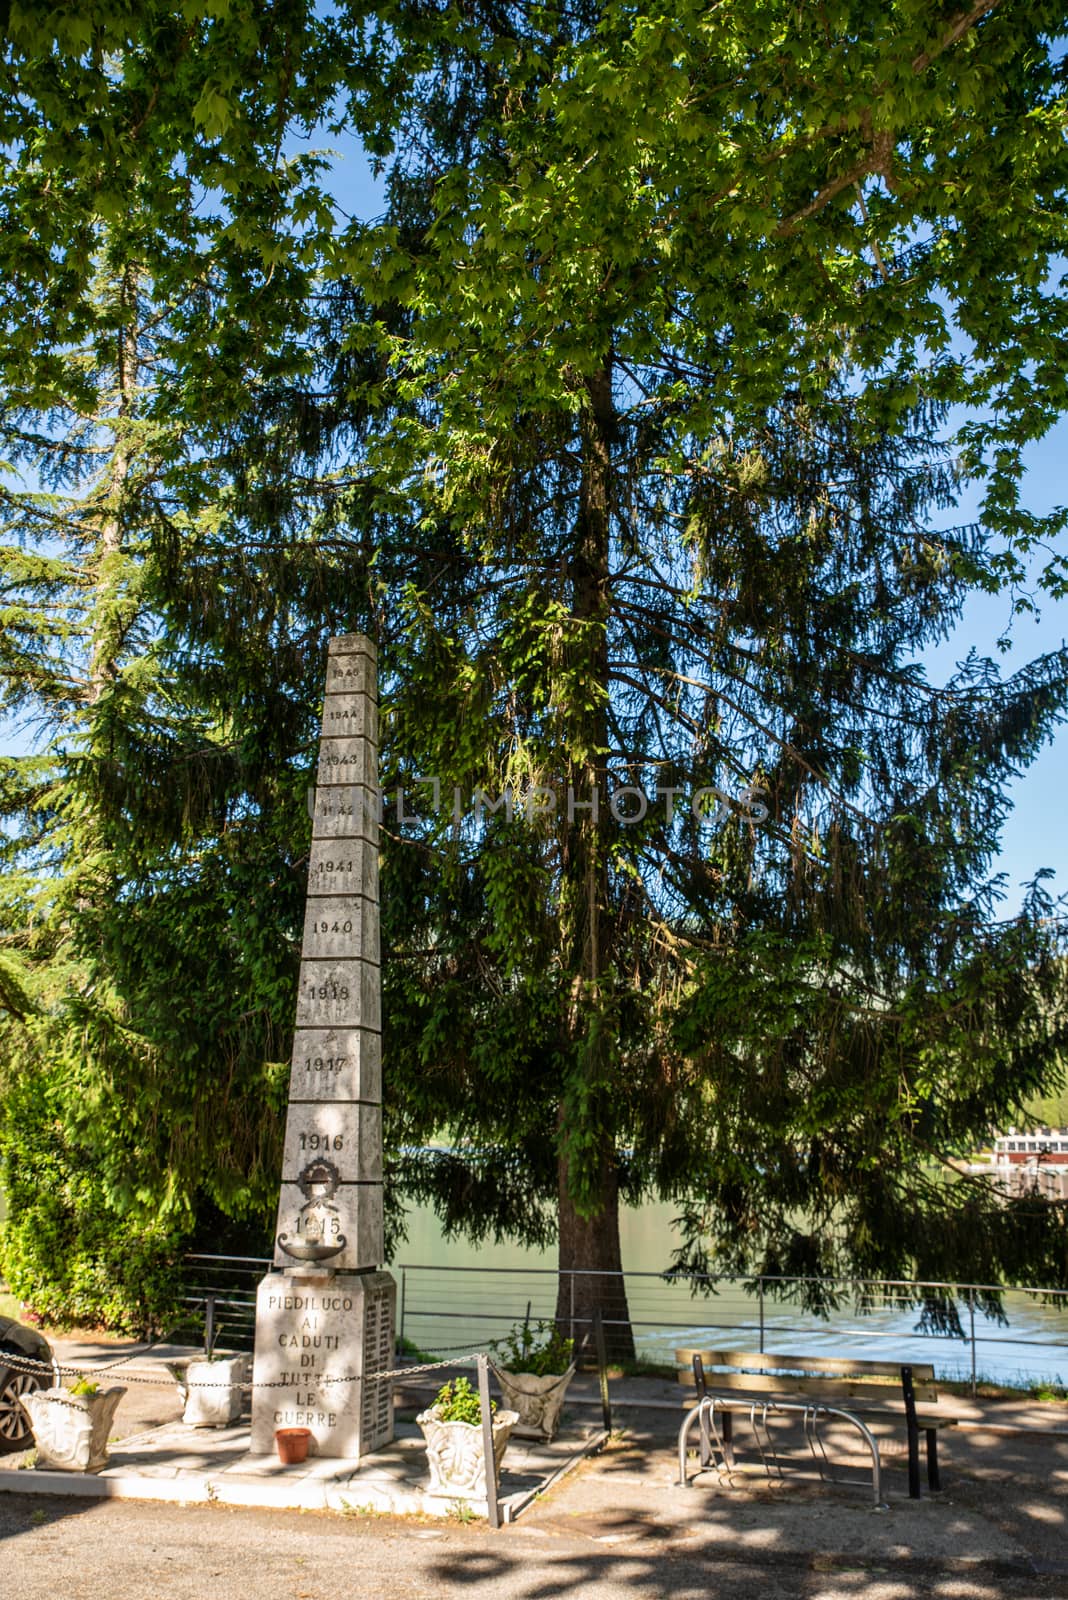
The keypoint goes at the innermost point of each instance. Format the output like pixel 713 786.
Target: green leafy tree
pixel 620 430
pixel 689 294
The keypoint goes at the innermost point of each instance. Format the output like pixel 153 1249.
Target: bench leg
pixel 912 1432
pixel 914 1463
pixel 934 1480
pixel 704 1434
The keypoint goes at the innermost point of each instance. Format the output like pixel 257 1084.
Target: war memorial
pixel 325 1312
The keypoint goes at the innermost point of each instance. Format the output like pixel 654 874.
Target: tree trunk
pixel 589 1254
pixel 111 616
pixel 591 1271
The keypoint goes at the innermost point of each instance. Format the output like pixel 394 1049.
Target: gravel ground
pixel 617 1528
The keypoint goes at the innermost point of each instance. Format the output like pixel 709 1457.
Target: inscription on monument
pixel 315 1342
pixel 339 926
pixel 348 1135
pixel 338 993
pixel 336 1063
pixel 348 761
pixel 342 866
pixel 327 1222
pixel 345 717
pixel 346 811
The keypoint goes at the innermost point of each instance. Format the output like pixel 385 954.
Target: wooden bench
pixel 764 1384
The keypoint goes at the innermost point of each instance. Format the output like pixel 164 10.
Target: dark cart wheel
pixel 15 1430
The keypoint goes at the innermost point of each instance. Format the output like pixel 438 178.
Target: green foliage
pixel 1048 1392
pixel 65 1250
pixel 456 1401
pixel 542 1349
pixel 84 1387
pixel 1047 1111
pixel 625 431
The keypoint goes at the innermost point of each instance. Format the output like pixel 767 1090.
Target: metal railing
pixel 882 1317
pixel 219 1297
pixel 885 1315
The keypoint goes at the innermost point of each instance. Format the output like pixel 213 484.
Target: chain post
pixel 493 1512
pixel 971 1320
pixel 602 1367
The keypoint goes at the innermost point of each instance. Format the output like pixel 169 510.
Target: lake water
pixel 457 1296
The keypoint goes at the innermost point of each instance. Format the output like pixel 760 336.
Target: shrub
pixel 64 1250
pixel 541 1350
pixel 456 1401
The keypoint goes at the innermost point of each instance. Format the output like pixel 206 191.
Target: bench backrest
pixel 818 1377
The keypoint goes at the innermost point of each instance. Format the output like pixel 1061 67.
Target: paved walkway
pixel 135 1361
pixel 620 1525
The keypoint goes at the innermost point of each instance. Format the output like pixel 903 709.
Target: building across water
pixel 1035 1160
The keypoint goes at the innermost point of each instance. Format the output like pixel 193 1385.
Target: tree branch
pixel 961 23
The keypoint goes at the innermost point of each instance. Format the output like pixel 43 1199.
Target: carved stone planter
pixel 213 1391
pixel 455 1457
pixel 71 1430
pixel 537 1401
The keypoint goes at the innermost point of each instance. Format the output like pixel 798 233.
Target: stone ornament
pixel 213 1392
pixel 317 1234
pixel 71 1430
pixel 455 1455
pixel 537 1401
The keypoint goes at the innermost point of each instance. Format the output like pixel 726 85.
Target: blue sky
pixel 1035 834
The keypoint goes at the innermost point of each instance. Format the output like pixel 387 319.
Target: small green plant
pixel 541 1350
pixel 85 1387
pixel 408 1350
pixel 456 1401
pixel 460 1511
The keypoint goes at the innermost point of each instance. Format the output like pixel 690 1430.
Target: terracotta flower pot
pixel 292 1445
pixel 537 1400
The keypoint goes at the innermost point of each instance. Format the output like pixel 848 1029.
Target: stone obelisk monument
pixel 326 1310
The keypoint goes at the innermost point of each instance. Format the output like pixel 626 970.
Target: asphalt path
pixel 113 1550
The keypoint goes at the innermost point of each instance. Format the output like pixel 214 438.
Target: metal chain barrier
pixel 560 1383
pixel 54 1368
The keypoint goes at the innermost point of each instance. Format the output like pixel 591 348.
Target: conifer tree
pixel 621 431
pixel 151 890
pixel 688 296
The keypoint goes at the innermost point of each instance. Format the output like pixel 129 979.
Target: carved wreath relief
pixel 317 1231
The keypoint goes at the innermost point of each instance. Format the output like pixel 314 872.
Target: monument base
pixel 320 1339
